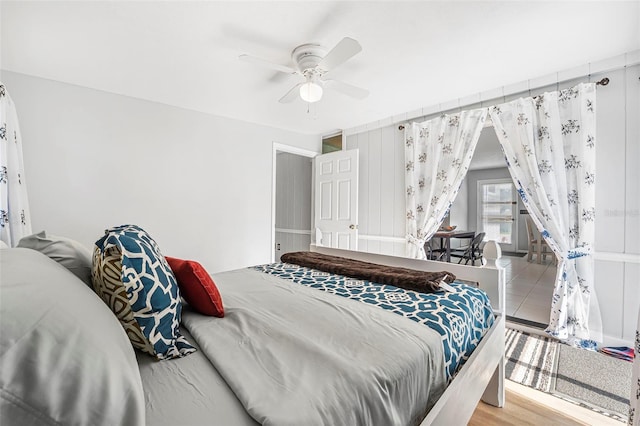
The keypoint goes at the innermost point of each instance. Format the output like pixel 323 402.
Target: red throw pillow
pixel 197 287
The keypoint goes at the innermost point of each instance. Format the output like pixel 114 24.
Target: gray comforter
pixel 297 356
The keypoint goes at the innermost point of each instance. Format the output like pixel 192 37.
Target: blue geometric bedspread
pixel 461 317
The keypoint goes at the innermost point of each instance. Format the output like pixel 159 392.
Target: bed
pixel 367 364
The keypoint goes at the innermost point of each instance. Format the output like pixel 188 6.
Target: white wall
pixel 199 184
pixel 617 239
pixel 460 207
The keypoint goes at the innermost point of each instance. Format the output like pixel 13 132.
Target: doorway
pixel 497 212
pixel 487 205
pixel 292 200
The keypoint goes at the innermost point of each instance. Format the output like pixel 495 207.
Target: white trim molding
pixel 294 231
pixel 277 146
pixel 381 238
pixel 616 257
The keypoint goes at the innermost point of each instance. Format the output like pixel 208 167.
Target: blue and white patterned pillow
pixel 131 275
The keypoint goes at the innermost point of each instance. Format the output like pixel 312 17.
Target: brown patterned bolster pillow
pixel 409 279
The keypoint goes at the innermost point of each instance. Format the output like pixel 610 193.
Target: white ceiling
pixel 414 54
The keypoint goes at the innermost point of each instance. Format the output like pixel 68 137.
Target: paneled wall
pixel 381 192
pixel 381 195
pixel 617 240
pixel 293 203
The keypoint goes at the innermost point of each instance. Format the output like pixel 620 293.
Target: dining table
pixel 445 240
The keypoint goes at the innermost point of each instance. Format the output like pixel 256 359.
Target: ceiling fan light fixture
pixel 311 92
pixel 312 62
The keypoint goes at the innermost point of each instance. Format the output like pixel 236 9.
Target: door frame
pixel 514 229
pixel 279 147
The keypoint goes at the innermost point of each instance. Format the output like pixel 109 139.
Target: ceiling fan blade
pixel 345 49
pixel 291 94
pixel 347 89
pixel 265 63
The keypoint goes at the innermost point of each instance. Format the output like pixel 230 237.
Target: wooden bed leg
pixel 494 392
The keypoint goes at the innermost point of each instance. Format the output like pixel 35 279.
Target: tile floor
pixel 529 288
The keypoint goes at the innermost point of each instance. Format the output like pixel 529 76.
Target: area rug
pixel 587 378
pixel 530 359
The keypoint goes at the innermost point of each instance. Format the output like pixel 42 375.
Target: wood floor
pixel 525 406
pixel 519 411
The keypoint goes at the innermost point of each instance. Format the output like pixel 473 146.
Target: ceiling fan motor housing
pixel 307 57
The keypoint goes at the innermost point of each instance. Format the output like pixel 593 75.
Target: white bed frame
pixel 482 376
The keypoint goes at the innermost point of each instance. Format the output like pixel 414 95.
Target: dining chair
pixel 434 253
pixel 471 252
pixel 537 244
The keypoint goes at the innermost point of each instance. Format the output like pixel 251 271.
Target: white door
pixel 497 212
pixel 336 199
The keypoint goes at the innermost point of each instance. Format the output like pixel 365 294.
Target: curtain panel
pixel 437 156
pixel 549 144
pixel 15 221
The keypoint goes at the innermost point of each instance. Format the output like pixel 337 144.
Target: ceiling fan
pixel 312 62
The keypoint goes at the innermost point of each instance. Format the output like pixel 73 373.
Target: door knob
pixel 352 226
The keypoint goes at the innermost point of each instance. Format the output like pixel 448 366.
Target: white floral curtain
pixel 437 156
pixel 15 221
pixel 549 144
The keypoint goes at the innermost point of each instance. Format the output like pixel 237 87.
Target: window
pixel 332 143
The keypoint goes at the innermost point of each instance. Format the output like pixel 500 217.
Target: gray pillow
pixel 64 358
pixel 67 252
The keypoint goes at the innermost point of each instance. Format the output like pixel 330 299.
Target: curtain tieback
pixel 415 241
pixel 585 250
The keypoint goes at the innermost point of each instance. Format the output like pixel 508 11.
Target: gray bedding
pixel 64 357
pixel 297 356
pixel 188 392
